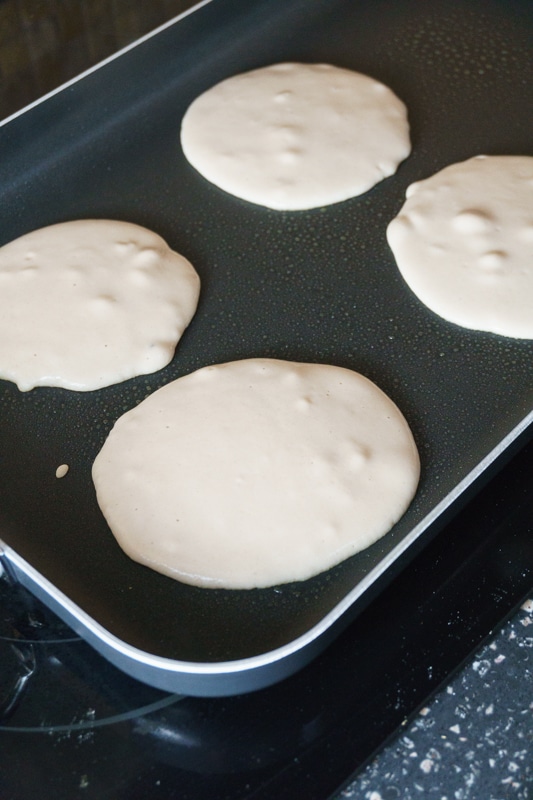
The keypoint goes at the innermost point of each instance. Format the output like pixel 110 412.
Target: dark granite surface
pixel 474 739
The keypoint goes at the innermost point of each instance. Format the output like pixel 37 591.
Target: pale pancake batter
pixel 463 242
pixel 255 473
pixel 89 303
pixel 296 136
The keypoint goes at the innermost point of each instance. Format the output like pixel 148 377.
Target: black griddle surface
pixel 314 286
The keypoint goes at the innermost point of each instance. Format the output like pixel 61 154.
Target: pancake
pixel 90 303
pixel 296 136
pixel 255 473
pixel 463 242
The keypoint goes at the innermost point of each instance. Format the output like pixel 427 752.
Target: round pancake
pixel 463 242
pixel 89 303
pixel 256 472
pixel 296 136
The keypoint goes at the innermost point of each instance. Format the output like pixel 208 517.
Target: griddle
pixel 316 286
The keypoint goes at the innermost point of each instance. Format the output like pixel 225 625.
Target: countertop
pixel 474 738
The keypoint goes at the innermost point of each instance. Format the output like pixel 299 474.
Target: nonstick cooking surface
pixel 316 286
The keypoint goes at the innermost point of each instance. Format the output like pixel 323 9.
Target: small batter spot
pixel 62 470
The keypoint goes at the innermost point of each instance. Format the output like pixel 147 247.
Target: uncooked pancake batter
pixel 296 136
pixel 256 472
pixel 89 303
pixel 463 242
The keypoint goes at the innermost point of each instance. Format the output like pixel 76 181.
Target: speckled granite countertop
pixel 474 740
